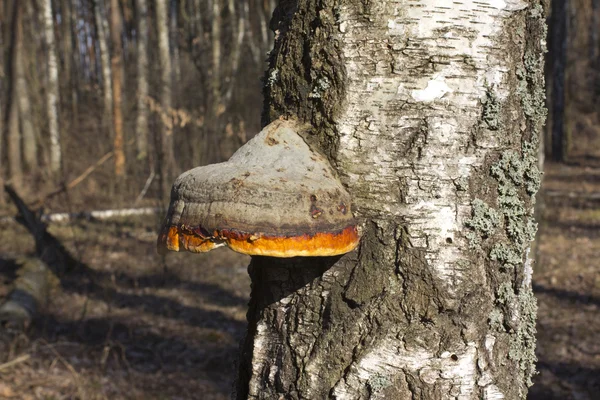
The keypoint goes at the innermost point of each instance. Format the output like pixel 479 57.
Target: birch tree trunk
pixel 141 122
pixel 430 112
pixel 116 63
pixel 166 150
pixel 13 137
pixel 28 132
pixel 102 40
pixel 52 91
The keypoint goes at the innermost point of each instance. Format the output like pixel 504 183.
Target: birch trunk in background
pixel 66 26
pixel 116 63
pixel 13 137
pixel 52 91
pixel 430 112
pixel 141 122
pixel 174 34
pixel 28 132
pixel 166 150
pixel 102 40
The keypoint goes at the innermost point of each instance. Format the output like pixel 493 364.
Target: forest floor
pixel 127 324
pixel 566 282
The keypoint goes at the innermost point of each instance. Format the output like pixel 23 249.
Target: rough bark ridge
pixel 430 112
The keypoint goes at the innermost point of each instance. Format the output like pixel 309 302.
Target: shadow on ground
pixel 567 285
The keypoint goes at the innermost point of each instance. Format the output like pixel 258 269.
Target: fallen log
pixel 36 276
pixel 48 249
pixel 93 215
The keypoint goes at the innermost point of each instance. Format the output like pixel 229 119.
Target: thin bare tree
pixel 28 131
pixel 166 149
pixel 116 30
pixel 15 166
pixel 52 91
pixel 106 71
pixel 141 123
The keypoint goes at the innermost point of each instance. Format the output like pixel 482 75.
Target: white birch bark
pixel 430 111
pixel 52 91
pixel 141 123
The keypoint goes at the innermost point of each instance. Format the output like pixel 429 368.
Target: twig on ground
pixel 13 362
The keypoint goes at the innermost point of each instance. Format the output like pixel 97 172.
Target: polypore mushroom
pixel 274 197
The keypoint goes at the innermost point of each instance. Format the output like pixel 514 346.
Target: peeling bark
pixel 430 111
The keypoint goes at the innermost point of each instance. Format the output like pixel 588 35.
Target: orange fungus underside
pixel 177 238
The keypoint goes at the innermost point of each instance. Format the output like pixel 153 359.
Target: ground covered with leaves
pixel 127 324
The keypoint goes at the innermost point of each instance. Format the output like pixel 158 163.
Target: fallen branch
pixel 92 215
pixel 146 187
pixel 38 203
pixel 15 361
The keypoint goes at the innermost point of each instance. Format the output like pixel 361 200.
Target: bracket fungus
pixel 274 197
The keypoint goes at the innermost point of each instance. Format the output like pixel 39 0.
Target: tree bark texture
pixel 14 154
pixel 166 149
pixel 141 122
pixel 116 63
pixel 429 110
pixel 28 132
pixel 102 40
pixel 52 91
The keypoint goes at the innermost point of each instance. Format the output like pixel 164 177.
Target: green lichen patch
pixel 506 255
pixel 522 341
pixel 377 382
pixel 484 219
pixel 496 320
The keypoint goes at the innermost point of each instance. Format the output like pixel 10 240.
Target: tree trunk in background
pixel 558 59
pixel 430 114
pixel 102 40
pixel 13 138
pixel 69 87
pixel 29 134
pixel 215 107
pixel 141 123
pixel 52 92
pixel 174 33
pixel 166 152
pixel 116 30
